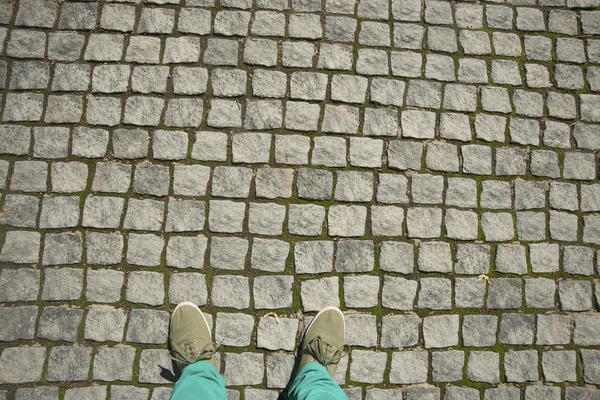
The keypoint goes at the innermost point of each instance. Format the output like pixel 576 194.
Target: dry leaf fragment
pixel 485 278
pixel 272 314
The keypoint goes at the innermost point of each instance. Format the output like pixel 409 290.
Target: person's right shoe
pixel 190 336
pixel 324 340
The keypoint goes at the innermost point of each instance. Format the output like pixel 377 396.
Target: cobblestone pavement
pixel 285 155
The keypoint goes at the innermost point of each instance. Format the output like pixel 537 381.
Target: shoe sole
pixel 189 303
pixel 329 308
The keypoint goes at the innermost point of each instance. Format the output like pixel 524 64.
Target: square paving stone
pixel 230 291
pixel 291 149
pixel 24 211
pixel 16 139
pixel 21 247
pixel 578 260
pixel 396 257
pixel 456 393
pixel 273 292
pixel 269 254
pixel 361 291
pixel 319 293
pixel 231 182
pixel 409 367
pixel 59 323
pixel 354 256
pixel 510 258
pixel 29 176
pixel 22 364
pixel 151 180
pixel 435 294
pixel 104 248
pixel 102 212
pixel 367 366
pixel 404 155
pixel 144 215
pixel 553 329
pixel 145 249
pixel 539 292
pixel 399 331
pixel 62 284
pixel 575 295
pixel 440 331
pixel 521 366
pixel 348 221
pixel 21 284
pixel 544 257
pixel 469 292
pixel 226 216
pixel 427 189
pixel 279 369
pixel 423 222
pixel 130 143
pixel 398 293
pixel 361 330
pixel 89 143
pixel 145 287
pixel 447 366
pixel 273 335
pixel 244 368
pixel 313 257
pixel 112 178
pixel 104 286
pixel 152 364
pixel 190 180
pixel 188 287
pixel 228 253
pixel 304 219
pixel 105 324
pixel 387 220
pixel 234 329
pixel 67 363
pixel 114 364
pixel 268 218
pixel 435 257
pixel 20 323
pixel 50 142
pixel 39 392
pixel 210 146
pixel 169 145
pixel 559 366
pixel 186 251
pixel 483 366
pixel 354 186
pixel 185 216
pixel 274 182
pixel 517 329
pixel 148 326
pixel 479 330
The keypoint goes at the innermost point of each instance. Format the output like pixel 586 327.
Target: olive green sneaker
pixel 190 336
pixel 323 340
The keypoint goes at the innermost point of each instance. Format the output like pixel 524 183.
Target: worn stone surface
pixel 249 157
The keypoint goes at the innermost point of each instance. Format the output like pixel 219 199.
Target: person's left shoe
pixel 190 336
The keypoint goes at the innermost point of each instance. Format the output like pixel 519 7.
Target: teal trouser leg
pixel 314 383
pixel 200 381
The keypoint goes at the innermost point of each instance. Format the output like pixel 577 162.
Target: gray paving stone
pixel 130 143
pixel 469 292
pixel 59 323
pixel 105 324
pixel 447 366
pixel 104 286
pixel 511 258
pixel 234 329
pixel 367 366
pixel 268 218
pixel 440 331
pixel 575 295
pixel 29 176
pixel 365 152
pixel 24 210
pixel 228 253
pixel 151 180
pixel 304 219
pixel 147 326
pixel 230 291
pixel 273 335
pixel 244 368
pixel 361 291
pixel 479 330
pixel 187 287
pixel 21 284
pixel 517 329
pixel 273 292
pixel 226 216
pixel 483 366
pixel 424 222
pixel 88 143
pixel 346 88
pixel 20 323
pixel 539 293
pixel 347 220
pixel 316 294
pixel 169 145
pixel 102 212
pixel 361 330
pixel 152 364
pixel 398 293
pixel 387 220
pixel 399 331
pixel 62 284
pixel 145 249
pixel 66 363
pixel 409 367
pixel 145 215
pixel 50 142
pixel 521 366
pixel 391 189
pixel 22 364
pixel 145 287
pixel 427 188
pixel 279 369
pixel 505 293
pixel 542 392
pixel 112 178
pixel 314 184
pixel 354 256
pixel 291 149
pixel 21 247
pixel 405 155
pixel 313 256
pixel 114 364
pixel 186 252
pixel 559 366
pixel 461 224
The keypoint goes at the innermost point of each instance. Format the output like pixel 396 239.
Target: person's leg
pixel 314 383
pixel 200 380
pixel 193 351
pixel 322 348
